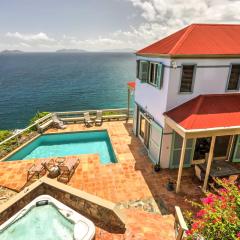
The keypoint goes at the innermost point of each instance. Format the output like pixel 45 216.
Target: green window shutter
pixel 159 81
pixel 236 154
pixel 144 71
pixel 138 69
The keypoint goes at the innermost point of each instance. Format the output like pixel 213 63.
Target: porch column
pixel 128 109
pixel 210 158
pixel 181 164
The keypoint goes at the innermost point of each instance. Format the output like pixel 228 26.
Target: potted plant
pixel 157 167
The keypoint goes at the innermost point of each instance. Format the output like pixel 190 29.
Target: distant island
pixel 127 50
pixel 71 51
pixel 123 50
pixel 11 51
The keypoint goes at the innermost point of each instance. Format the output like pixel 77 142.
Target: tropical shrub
pixel 37 116
pixel 4 134
pixel 6 147
pixel 219 215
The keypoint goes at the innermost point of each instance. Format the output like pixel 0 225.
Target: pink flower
pixel 207 200
pixel 189 232
pixel 201 213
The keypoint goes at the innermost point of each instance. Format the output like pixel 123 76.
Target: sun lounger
pixel 99 120
pixel 67 168
pixel 38 170
pixel 87 120
pixel 58 122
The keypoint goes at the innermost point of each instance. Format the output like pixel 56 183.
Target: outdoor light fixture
pixel 174 64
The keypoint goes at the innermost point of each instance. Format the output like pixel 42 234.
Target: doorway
pixel 144 129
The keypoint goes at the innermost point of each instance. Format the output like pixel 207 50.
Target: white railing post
pixel 180 224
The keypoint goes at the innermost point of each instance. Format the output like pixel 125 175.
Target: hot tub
pixel 47 218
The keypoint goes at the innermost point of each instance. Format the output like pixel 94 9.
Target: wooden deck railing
pixel 107 115
pixel 180 224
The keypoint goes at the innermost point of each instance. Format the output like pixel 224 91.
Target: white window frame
pixel 154 82
pixel 193 77
pixel 229 75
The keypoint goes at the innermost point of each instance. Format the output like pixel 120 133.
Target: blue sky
pixel 47 25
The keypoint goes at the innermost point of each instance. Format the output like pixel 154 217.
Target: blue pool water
pixel 66 144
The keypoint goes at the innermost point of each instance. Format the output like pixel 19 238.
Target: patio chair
pixel 38 170
pixel 67 169
pixel 99 120
pixel 87 120
pixel 58 122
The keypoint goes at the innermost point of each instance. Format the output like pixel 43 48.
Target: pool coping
pixel 19 148
pixel 65 132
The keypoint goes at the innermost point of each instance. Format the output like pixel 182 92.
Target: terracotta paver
pixel 131 179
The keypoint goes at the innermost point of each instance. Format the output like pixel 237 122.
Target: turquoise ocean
pixel 31 82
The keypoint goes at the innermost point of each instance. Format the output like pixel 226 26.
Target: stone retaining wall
pixel 103 213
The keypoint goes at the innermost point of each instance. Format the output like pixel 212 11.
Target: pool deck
pixel 131 183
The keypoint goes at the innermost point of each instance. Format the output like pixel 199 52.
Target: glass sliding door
pixel 236 154
pixel 222 147
pixel 144 129
pixel 176 150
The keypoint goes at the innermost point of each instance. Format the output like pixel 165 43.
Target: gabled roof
pixel 198 39
pixel 208 111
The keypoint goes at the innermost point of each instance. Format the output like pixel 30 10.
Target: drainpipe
pixel 128 108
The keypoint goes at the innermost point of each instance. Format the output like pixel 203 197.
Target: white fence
pixel 73 116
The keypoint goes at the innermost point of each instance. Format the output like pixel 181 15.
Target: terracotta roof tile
pixel 199 39
pixel 208 111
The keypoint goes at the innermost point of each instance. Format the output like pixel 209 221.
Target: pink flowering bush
pixel 219 215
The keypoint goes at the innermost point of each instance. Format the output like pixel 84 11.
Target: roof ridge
pixel 216 24
pixel 179 43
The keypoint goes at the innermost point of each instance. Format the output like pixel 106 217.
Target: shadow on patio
pixel 157 181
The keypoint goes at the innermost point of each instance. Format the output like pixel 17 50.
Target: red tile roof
pixel 199 39
pixel 208 111
pixel 131 85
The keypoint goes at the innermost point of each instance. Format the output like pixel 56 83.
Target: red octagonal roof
pixel 208 111
pixel 199 39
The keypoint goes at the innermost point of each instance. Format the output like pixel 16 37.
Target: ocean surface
pixel 32 82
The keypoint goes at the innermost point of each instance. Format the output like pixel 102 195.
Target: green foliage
pixel 219 215
pixel 37 116
pixel 12 144
pixel 4 134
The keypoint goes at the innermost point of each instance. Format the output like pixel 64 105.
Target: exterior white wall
pixel 166 147
pixel 152 99
pixel 211 78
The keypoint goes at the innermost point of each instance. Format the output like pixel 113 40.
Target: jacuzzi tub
pixel 41 211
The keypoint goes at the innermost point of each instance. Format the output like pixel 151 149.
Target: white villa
pixel 187 101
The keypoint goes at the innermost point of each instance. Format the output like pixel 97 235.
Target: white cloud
pixel 30 37
pixel 158 19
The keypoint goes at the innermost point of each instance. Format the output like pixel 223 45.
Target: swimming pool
pixel 66 144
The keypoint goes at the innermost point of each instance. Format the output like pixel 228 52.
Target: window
pixel 150 72
pixel 137 68
pixel 233 82
pixel 153 73
pixel 188 72
pixel 143 71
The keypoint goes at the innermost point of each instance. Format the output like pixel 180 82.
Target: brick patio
pixel 128 182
